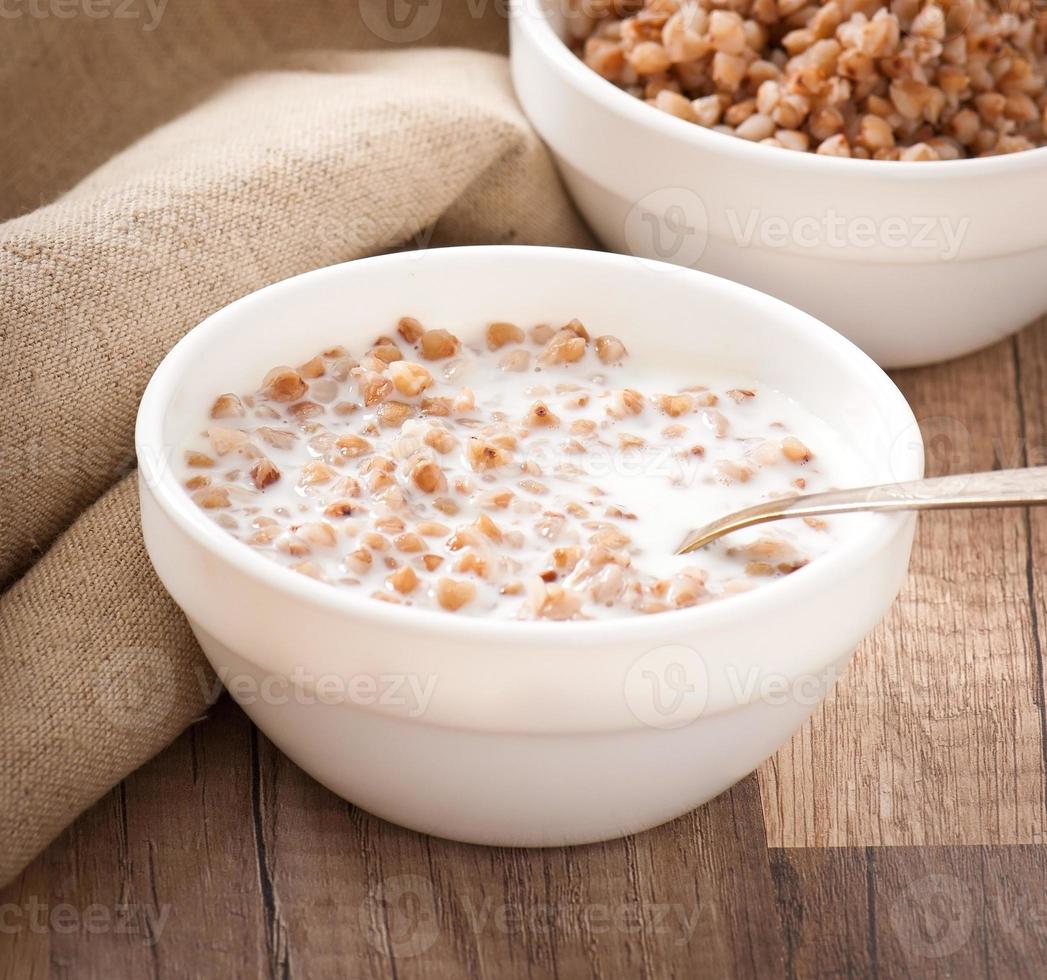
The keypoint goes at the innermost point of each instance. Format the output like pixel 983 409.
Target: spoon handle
pixel 996 488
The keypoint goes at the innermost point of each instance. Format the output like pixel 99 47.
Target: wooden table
pixel 901 832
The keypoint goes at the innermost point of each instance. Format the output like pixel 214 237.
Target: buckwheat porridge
pixel 898 80
pixel 530 475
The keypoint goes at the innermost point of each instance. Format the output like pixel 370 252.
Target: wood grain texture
pixel 920 912
pixel 1030 360
pixel 827 911
pixel 224 853
pixel 900 833
pixel 936 734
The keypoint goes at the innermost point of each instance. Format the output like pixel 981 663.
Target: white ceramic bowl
pixel 535 733
pixel 915 262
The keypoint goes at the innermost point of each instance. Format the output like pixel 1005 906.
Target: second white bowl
pixel 915 262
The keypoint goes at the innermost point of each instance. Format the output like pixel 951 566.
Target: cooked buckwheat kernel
pixel 436 345
pixel 453 594
pixel 410 329
pixel 351 445
pixel 394 413
pixel 283 384
pixel 540 415
pixel 225 441
pixel 428 476
pixel 500 334
pixel 313 368
pixel 516 360
pixel 315 473
pixel 263 473
pixel 211 497
pixel 485 455
pixel 549 491
pixel 675 405
pixel 387 351
pixel 409 379
pixel 341 508
pixel 227 407
pixel 795 450
pixel 565 347
pixel 404 579
pixel 610 350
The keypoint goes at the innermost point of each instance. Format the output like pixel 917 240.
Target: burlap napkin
pixel 210 162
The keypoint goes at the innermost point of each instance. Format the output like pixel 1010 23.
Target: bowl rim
pixel 531 17
pixel 177 505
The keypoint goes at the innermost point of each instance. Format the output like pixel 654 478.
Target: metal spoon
pixel 999 488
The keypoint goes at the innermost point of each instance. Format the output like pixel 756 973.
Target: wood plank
pixel 935 736
pixel 823 900
pixel 222 856
pixel 159 878
pixel 24 937
pixel 191 856
pixel 924 912
pixel 98 922
pixel 961 912
pixel 1030 361
pixel 349 888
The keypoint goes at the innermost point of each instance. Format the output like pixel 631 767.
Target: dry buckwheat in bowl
pixel 420 512
pixel 907 80
pixel 916 221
